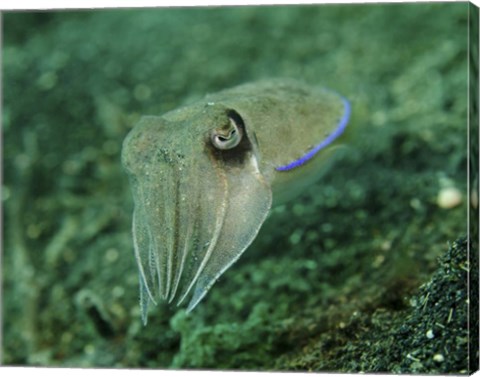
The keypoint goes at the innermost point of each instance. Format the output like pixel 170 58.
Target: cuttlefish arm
pixel 202 178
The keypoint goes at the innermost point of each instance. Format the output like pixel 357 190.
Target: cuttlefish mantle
pixel 203 178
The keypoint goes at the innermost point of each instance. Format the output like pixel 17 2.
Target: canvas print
pixel 255 188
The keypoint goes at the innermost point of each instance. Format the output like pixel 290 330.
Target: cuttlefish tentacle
pixel 204 176
pixel 143 246
pixel 187 204
pixel 172 219
pixel 220 206
pixel 159 221
pixel 180 224
pixel 140 235
pixel 240 228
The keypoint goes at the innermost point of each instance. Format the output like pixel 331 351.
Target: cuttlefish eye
pixel 228 136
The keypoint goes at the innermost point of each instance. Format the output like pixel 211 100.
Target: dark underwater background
pixel 365 272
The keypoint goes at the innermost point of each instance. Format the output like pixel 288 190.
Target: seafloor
pixel 366 271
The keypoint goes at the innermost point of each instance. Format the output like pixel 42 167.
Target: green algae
pixel 329 274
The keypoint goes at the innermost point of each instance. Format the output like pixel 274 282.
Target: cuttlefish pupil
pixel 227 137
pixel 203 178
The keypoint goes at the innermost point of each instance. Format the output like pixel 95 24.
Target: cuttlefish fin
pixel 294 182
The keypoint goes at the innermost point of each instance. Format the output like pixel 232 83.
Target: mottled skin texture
pixel 198 207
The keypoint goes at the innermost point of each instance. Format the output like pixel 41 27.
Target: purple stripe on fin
pixel 328 140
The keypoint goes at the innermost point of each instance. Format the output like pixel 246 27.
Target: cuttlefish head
pixel 199 199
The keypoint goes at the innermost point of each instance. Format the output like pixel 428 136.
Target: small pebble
pixel 47 80
pixel 438 357
pixel 296 237
pixel 142 92
pixel 449 197
pixel 118 291
pixel 378 261
pixel 66 337
pixel 386 245
pixel 5 193
pixel 111 255
pixel 89 349
pixel 33 231
pixel 416 204
pixel 474 197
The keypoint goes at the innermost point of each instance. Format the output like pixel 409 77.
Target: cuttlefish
pixel 203 177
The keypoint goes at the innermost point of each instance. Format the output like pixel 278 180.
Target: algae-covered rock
pixel 427 333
